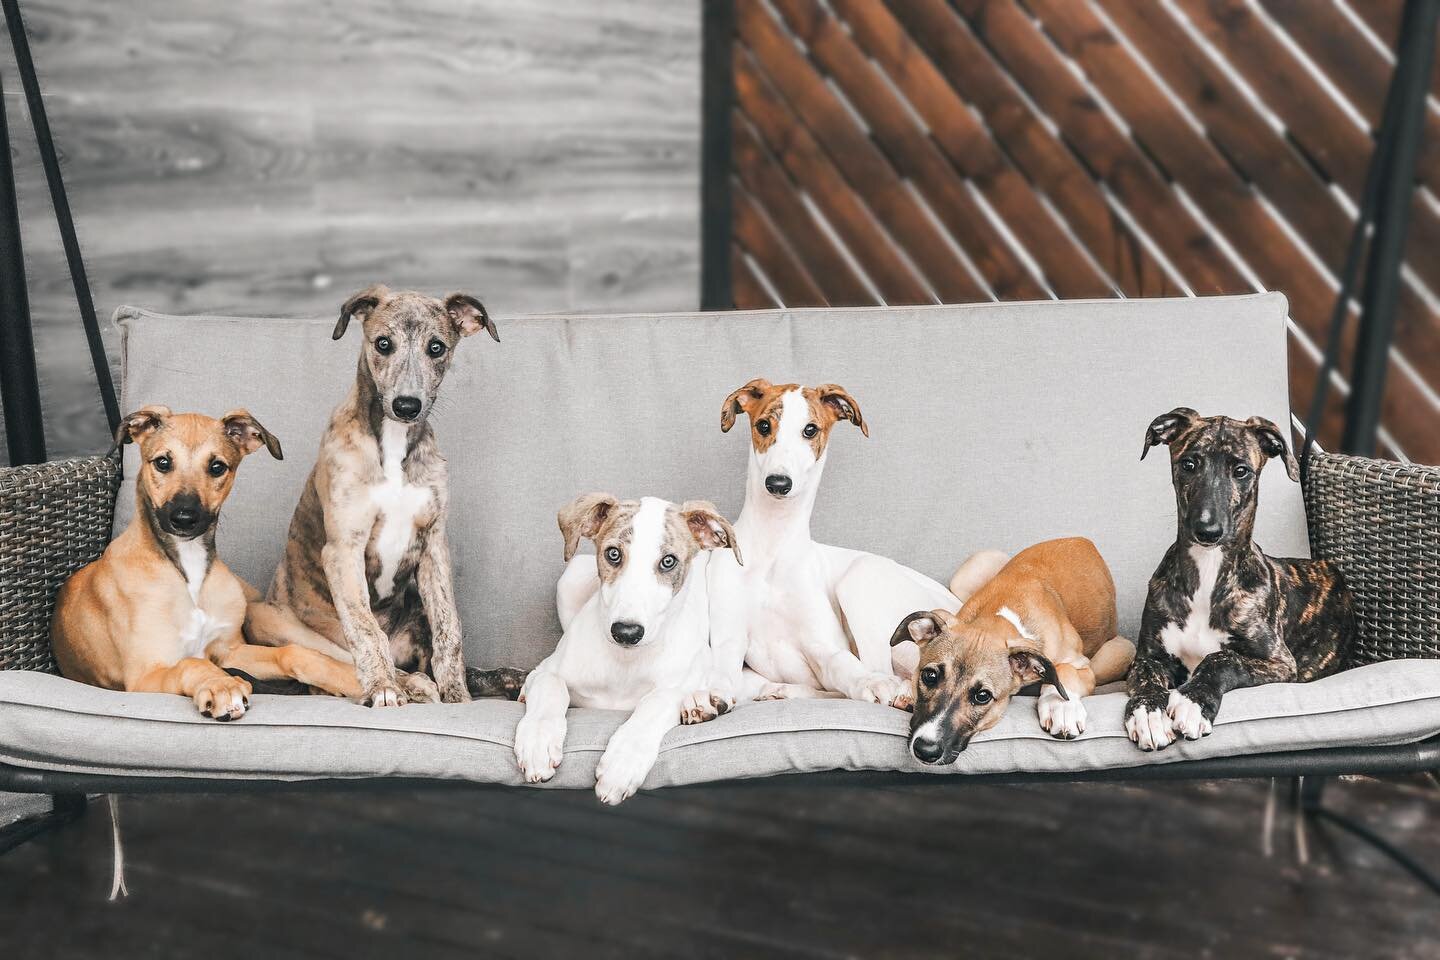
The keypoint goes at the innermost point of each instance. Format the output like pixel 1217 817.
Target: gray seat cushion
pixel 55 723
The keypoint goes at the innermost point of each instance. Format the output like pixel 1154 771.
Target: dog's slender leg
pixel 633 748
pixel 1154 672
pixel 1194 705
pixel 842 671
pixel 273 625
pixel 540 735
pixel 729 634
pixel 345 570
pixel 436 581
pixel 215 692
pixel 1064 716
pixel 289 662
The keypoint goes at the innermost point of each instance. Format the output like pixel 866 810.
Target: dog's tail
pixel 502 682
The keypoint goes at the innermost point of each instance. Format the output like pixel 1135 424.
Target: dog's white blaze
pixel 638 595
pixel 398 503
pixel 200 628
pixel 791 454
pixel 1195 639
pixel 1005 613
pixel 929 730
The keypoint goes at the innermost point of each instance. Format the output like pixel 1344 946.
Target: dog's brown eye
pixel 1188 464
pixel 763 428
pixel 612 556
pixel 810 430
pixel 218 468
pixel 436 348
pixel 1241 471
pixel 980 696
pixel 161 463
pixel 667 562
pixel 930 677
pixel 384 346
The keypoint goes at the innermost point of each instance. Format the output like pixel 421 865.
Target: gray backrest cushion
pixel 991 425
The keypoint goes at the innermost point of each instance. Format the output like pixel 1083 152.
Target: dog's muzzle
pixel 626 634
pixel 184 517
pixel 406 408
pixel 778 485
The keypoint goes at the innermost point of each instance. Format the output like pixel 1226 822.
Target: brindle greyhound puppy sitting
pixel 159 612
pixel 1220 613
pixel 366 574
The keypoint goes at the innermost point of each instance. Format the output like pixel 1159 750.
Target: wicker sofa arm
pixel 1380 523
pixel 54 518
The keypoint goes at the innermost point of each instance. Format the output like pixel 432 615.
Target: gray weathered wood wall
pixel 269 157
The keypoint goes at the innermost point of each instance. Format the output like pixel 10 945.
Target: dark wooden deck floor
pixel 783 870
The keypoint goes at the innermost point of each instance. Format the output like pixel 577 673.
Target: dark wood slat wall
pixel 1078 148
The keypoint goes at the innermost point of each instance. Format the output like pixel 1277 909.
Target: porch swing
pixel 1378 521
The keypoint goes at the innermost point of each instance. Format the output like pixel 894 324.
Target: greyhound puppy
pixel 639 642
pixel 1048 616
pixel 366 574
pixel 1220 614
pixel 159 612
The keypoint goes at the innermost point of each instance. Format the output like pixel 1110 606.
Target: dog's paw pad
pixel 539 748
pixel 620 772
pixel 1149 728
pixel 1187 717
pixel 419 688
pixel 384 695
pixel 223 698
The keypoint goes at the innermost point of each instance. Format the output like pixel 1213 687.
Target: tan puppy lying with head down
pixel 1047 616
pixel 159 612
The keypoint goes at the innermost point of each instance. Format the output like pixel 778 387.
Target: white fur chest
pixel 200 628
pixel 1195 639
pixel 398 504
pixel 790 612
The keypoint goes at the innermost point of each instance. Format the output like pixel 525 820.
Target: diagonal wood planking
pixel 1119 152
pixel 270 157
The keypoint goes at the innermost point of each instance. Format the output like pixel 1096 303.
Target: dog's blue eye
pixel 980 696
pixel 436 348
pixel 612 554
pixel 763 428
pixel 810 430
pixel 218 468
pixel 930 677
pixel 668 562
pixel 384 345
pixel 161 463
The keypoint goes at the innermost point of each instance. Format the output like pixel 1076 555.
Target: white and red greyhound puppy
pixel 803 619
pixel 640 642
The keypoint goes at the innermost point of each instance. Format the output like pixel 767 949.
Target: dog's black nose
pixel 626 634
pixel 1208 533
pixel 778 484
pixel 927 751
pixel 185 519
pixel 406 408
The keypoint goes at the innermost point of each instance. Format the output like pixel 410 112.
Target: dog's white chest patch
pixel 1195 639
pixel 200 628
pixel 399 503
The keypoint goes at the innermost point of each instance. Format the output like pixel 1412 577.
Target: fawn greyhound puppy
pixel 366 574
pixel 159 612
pixel 640 642
pixel 1047 616
pixel 1220 614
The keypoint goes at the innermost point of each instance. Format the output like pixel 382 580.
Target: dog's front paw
pixel 1061 718
pixel 703 705
pixel 224 698
pixel 384 693
pixel 1149 727
pixel 1187 717
pixel 621 770
pixel 539 747
pixel 419 688
pixel 887 689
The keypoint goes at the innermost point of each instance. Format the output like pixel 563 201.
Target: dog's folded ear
pixel 1166 427
pixel 922 626
pixel 583 517
pixel 709 528
pixel 137 424
pixel 740 401
pixel 1032 666
pixel 249 434
pixel 360 306
pixel 1272 444
pixel 469 315
pixel 838 399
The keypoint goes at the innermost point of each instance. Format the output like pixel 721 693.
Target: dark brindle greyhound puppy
pixel 366 574
pixel 1220 613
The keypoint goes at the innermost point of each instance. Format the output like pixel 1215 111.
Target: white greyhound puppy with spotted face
pixel 640 642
